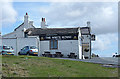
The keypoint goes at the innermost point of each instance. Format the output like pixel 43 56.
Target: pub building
pixel 68 42
pixel 51 42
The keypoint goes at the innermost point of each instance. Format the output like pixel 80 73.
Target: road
pixel 107 61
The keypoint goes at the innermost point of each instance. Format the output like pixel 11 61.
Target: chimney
pixel 43 23
pixel 26 18
pixel 88 23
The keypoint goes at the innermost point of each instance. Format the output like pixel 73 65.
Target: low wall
pixel 19 43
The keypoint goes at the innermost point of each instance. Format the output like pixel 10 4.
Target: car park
pixel 28 50
pixel 6 50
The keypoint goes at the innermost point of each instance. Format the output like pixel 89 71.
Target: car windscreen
pixel 33 47
pixel 6 47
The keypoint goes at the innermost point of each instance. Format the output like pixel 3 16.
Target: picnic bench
pixel 58 54
pixel 72 55
pixel 47 54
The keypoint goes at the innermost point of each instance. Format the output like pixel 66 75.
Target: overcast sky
pixel 102 15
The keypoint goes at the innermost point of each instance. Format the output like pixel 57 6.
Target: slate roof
pixel 48 31
pixel 53 31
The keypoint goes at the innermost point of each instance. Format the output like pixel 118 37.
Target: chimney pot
pixel 26 13
pixel 42 19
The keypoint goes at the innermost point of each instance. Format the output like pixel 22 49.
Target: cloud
pixel 103 16
pixel 105 41
pixel 8 12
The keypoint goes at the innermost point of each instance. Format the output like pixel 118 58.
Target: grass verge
pixel 32 66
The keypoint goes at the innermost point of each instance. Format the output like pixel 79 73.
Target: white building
pixel 65 40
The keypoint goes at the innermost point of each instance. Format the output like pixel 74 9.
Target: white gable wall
pixel 20 30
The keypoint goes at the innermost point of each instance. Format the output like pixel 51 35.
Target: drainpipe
pixel 16 47
pixel 38 45
pixel 90 46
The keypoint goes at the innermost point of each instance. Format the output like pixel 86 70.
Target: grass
pixel 32 66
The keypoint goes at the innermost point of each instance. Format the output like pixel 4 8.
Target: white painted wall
pixel 67 46
pixel 86 38
pixel 64 46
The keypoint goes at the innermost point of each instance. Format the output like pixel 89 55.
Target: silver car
pixel 28 50
pixel 6 50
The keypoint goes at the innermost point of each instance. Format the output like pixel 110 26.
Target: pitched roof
pixel 54 31
pixel 48 31
pixel 18 27
pixel 7 34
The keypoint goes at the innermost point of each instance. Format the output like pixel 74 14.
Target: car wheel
pixel 28 53
pixel 18 53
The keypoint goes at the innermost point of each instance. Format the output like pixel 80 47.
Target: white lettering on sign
pixel 56 37
pixel 47 37
pixel 66 37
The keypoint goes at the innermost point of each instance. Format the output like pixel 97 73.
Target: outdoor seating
pixel 58 54
pixel 72 55
pixel 47 54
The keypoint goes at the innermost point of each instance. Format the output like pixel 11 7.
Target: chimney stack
pixel 26 18
pixel 88 23
pixel 43 23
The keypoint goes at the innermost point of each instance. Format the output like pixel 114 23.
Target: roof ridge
pixel 18 26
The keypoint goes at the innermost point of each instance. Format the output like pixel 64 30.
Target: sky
pixel 102 15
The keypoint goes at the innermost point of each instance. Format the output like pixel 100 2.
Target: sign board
pixel 85 44
pixel 93 37
pixel 59 37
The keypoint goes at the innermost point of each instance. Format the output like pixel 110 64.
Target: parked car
pixel 28 50
pixel 116 55
pixel 6 50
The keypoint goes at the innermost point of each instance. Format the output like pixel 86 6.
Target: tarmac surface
pixel 105 61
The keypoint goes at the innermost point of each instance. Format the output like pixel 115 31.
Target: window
pixel 33 47
pixel 6 47
pixel 26 47
pixel 53 44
